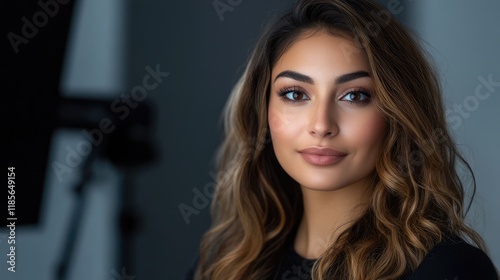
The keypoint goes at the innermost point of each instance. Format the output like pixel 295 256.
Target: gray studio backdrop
pixel 203 46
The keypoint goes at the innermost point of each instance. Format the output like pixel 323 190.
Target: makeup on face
pixel 326 131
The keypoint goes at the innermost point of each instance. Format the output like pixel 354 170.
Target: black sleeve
pixel 190 272
pixel 455 260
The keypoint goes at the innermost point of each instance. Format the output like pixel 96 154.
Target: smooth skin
pixel 322 95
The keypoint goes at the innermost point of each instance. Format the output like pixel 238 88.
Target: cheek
pixel 276 122
pixel 284 122
pixel 368 132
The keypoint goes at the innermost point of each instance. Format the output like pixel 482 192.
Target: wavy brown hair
pixel 418 197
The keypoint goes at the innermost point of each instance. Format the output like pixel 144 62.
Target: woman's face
pixel 326 130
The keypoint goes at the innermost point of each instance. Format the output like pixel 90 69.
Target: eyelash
pixel 368 96
pixel 284 91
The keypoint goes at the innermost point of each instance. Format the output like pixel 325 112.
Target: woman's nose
pixel 323 122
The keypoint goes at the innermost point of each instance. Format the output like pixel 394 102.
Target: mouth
pixel 322 156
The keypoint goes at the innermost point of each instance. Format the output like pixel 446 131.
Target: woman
pixel 337 163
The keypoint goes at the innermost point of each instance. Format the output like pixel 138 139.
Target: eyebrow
pixel 306 79
pixel 351 76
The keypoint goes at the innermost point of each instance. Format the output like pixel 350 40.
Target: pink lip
pixel 322 156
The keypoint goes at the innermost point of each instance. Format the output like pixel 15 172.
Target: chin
pixel 317 182
pixel 322 185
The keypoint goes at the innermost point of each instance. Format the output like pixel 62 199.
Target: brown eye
pixel 355 96
pixel 358 97
pixel 292 95
pixel 298 95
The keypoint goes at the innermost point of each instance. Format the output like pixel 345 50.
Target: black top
pixel 452 259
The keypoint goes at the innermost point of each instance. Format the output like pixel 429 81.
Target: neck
pixel 326 215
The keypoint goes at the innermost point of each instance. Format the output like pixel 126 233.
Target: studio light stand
pixel 128 146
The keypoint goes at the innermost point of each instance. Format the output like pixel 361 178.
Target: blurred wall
pixel 464 39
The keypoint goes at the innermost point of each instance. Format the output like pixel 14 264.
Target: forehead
pixel 322 53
